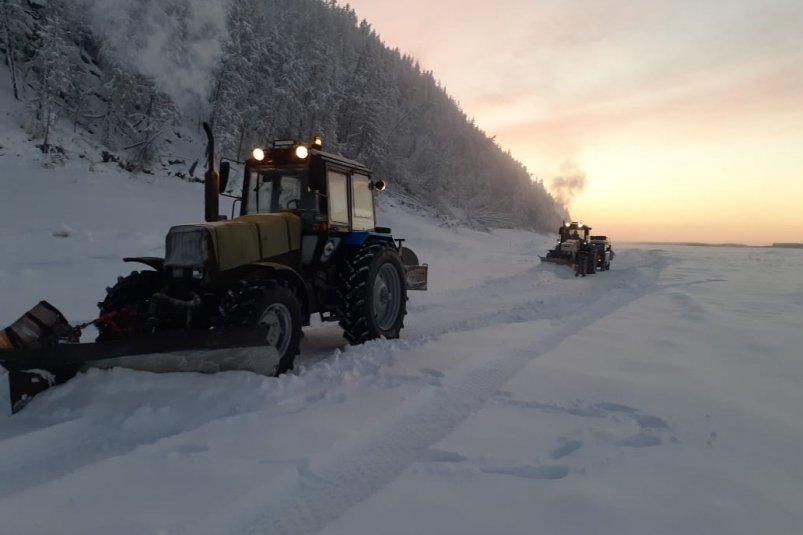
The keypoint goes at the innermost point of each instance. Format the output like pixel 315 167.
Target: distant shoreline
pixel 791 245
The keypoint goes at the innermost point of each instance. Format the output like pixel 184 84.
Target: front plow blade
pixel 556 260
pixel 34 352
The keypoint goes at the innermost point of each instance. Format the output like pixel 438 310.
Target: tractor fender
pixel 294 279
pixel 151 261
pixel 409 258
pixel 359 238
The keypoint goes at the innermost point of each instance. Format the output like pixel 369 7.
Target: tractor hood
pixel 223 245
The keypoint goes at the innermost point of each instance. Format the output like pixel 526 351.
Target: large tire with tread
pixel 372 293
pixel 580 262
pixel 272 307
pixel 134 292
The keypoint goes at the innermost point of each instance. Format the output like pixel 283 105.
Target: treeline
pixel 285 69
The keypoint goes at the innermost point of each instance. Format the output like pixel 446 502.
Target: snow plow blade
pixel 36 356
pixel 557 260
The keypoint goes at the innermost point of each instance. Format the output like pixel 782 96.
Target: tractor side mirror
pixel 225 168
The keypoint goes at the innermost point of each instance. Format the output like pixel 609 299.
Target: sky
pixel 661 121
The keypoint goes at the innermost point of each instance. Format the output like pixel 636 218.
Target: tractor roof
pixel 575 225
pixel 337 159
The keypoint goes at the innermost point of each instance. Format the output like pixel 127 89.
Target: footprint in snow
pixel 530 471
pixel 567 448
pixel 646 421
pixel 615 407
pixel 432 377
pixel 432 455
pixel 189 449
pixel 640 440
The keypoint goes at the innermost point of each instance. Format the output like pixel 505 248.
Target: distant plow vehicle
pixel 577 248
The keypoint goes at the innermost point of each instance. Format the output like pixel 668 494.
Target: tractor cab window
pixel 362 203
pixel 276 190
pixel 338 198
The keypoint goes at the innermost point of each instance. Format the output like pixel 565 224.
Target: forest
pixel 132 75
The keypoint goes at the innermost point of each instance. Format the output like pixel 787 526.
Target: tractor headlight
pixel 258 154
pixel 187 247
pixel 302 152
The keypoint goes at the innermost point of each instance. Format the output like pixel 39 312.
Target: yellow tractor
pixel 305 242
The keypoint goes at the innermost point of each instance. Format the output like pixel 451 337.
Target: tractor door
pixel 350 201
pixel 362 203
pixel 337 183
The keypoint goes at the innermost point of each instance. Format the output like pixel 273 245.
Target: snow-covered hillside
pixel 661 397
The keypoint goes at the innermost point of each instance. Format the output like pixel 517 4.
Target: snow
pixel 660 397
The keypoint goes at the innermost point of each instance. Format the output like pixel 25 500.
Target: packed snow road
pixel 347 424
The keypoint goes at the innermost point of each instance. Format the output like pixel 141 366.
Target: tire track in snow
pixel 360 465
pixel 550 299
pixel 81 440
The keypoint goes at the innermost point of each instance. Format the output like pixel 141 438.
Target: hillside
pixel 135 79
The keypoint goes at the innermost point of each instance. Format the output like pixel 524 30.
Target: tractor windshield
pixel 277 190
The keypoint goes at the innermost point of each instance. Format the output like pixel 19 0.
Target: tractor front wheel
pixel 273 308
pixel 124 311
pixel 372 294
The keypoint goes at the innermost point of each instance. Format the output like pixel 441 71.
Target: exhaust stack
pixel 211 180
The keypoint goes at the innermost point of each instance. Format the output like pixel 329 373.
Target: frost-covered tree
pixel 15 23
pixel 136 113
pixel 52 69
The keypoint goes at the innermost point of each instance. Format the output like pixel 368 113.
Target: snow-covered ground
pixel 662 397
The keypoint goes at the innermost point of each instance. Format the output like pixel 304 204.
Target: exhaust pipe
pixel 211 180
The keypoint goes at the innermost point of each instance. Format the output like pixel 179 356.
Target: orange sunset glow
pixel 674 121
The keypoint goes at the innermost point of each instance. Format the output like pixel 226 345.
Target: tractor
pixel 305 242
pixel 574 249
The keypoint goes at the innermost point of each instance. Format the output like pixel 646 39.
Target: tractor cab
pixel 327 200
pixel 322 188
pixel 573 231
pixel 572 237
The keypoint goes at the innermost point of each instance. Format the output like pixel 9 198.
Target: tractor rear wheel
pixel 271 307
pixel 129 298
pixel 372 294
